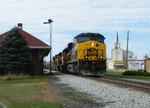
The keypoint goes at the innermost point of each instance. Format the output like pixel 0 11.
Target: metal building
pixel 147 65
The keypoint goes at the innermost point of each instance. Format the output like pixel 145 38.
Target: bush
pixel 136 73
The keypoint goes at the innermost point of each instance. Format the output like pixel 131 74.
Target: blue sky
pixel 72 17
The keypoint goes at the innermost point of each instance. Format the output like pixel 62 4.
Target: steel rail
pixel 138 85
pixel 122 82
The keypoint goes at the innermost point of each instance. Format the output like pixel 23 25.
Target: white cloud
pixel 72 17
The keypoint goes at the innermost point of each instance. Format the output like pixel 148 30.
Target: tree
pixel 15 56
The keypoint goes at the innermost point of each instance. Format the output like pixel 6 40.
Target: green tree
pixel 15 56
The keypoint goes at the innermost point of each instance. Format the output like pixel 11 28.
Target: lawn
pixel 119 74
pixel 4 80
pixel 32 92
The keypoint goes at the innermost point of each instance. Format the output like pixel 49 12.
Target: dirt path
pixel 3 104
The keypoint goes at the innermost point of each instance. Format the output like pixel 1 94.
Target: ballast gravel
pixel 107 95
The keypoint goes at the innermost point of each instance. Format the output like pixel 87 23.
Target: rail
pixel 122 82
pixel 138 84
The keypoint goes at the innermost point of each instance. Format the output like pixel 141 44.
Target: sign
pixel 136 65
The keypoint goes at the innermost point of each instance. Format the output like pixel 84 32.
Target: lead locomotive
pixel 86 55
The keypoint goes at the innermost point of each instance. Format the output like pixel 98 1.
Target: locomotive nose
pixel 92 53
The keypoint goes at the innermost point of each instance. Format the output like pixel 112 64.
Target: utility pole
pixel 127 51
pixel 50 62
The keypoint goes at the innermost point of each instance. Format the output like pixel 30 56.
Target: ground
pixel 71 98
pixel 29 91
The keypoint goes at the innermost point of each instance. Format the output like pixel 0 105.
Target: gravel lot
pixel 101 95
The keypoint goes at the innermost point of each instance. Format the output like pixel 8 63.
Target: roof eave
pixel 40 47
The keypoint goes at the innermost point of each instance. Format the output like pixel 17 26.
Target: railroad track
pixel 137 85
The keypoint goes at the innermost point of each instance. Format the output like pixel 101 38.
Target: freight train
pixel 86 55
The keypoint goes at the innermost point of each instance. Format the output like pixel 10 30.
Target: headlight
pixel 92 44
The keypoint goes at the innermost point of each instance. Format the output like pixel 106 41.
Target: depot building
pixel 38 49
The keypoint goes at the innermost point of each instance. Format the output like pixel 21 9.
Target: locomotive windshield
pixel 83 39
pixel 90 36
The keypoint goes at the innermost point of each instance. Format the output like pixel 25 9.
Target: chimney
pixel 20 25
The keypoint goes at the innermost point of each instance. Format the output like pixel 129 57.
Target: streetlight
pixel 127 50
pixel 50 23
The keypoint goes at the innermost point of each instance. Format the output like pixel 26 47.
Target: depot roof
pixel 32 41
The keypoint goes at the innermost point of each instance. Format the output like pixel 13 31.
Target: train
pixel 86 55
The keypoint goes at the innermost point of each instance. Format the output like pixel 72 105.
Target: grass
pixel 119 74
pixel 109 73
pixel 79 96
pixel 34 105
pixel 32 92
pixel 24 80
pixel 9 92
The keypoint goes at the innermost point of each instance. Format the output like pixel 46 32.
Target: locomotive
pixel 86 55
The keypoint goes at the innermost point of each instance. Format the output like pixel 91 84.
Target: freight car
pixel 85 55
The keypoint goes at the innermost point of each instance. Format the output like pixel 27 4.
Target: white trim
pixel 40 47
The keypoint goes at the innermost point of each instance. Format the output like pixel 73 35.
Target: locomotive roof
pixel 90 34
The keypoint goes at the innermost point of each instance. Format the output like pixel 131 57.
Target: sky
pixel 72 17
